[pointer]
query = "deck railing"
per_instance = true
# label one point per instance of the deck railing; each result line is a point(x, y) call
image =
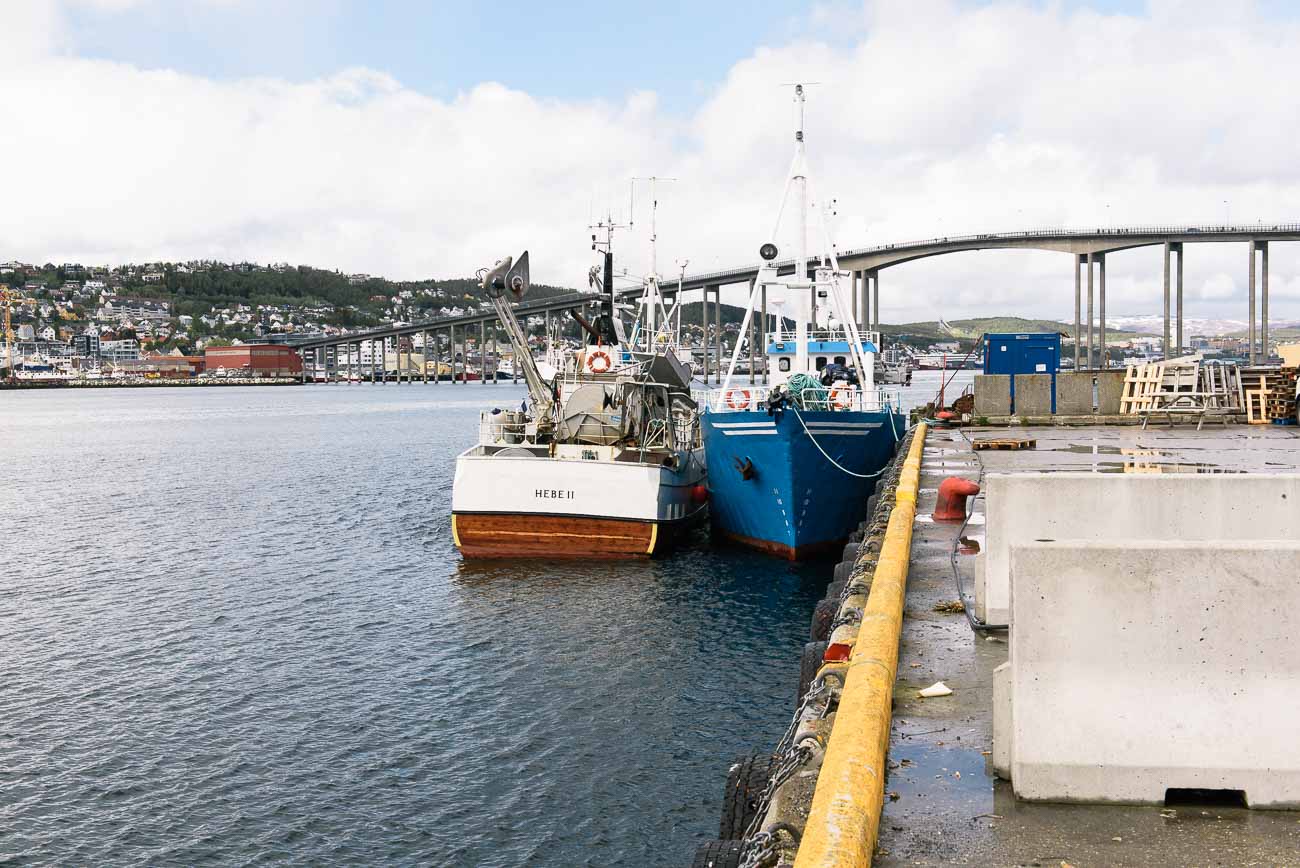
point(843, 399)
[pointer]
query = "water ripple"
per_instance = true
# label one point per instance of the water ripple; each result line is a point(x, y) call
point(233, 629)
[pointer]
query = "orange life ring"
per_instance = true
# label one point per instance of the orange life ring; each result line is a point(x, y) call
point(842, 397)
point(599, 356)
point(738, 399)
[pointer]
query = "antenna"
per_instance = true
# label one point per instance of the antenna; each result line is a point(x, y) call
point(654, 208)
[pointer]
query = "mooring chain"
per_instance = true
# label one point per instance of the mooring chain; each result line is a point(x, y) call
point(783, 750)
point(760, 848)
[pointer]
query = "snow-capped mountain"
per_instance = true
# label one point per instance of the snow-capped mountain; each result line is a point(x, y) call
point(1153, 324)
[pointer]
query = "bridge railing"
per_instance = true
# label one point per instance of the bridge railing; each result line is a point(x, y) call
point(1027, 234)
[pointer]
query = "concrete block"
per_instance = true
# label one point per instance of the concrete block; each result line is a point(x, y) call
point(1033, 395)
point(1142, 665)
point(992, 394)
point(1073, 394)
point(1002, 721)
point(1024, 507)
point(1110, 387)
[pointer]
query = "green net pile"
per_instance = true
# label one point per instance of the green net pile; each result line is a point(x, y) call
point(807, 393)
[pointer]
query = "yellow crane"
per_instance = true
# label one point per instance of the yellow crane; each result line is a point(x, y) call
point(7, 298)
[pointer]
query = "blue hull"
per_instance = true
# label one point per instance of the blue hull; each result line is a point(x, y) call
point(770, 486)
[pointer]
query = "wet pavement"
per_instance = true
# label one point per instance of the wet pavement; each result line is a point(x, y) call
point(944, 805)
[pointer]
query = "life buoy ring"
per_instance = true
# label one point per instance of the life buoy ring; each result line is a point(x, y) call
point(599, 362)
point(738, 399)
point(842, 397)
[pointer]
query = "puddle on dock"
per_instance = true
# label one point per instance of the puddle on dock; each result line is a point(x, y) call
point(1161, 467)
point(940, 778)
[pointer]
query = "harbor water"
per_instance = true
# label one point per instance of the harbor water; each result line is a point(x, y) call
point(234, 629)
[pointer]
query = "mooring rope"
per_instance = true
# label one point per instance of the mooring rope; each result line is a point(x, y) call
point(825, 455)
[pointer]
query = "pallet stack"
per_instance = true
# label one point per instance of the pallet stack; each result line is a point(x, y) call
point(1157, 385)
point(1270, 395)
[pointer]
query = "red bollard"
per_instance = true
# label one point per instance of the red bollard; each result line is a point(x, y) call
point(953, 492)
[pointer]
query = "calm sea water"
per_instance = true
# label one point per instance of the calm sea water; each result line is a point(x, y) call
point(234, 629)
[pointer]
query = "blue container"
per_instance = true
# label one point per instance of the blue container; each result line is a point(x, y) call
point(1023, 353)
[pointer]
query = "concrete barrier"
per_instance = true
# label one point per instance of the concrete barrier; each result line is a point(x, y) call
point(1024, 507)
point(1074, 394)
point(992, 394)
point(1137, 666)
point(1033, 395)
point(1110, 388)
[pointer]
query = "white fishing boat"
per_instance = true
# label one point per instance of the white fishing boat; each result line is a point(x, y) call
point(604, 459)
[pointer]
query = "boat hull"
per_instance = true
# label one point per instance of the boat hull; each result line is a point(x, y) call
point(516, 506)
point(528, 535)
point(771, 488)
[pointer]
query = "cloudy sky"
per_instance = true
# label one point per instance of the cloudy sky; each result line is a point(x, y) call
point(424, 139)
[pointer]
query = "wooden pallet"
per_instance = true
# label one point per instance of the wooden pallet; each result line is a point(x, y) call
point(1004, 443)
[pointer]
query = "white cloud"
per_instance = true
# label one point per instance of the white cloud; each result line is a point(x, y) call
point(931, 119)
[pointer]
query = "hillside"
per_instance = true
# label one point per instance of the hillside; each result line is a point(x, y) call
point(973, 329)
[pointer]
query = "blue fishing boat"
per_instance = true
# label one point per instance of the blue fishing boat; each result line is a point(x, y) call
point(791, 465)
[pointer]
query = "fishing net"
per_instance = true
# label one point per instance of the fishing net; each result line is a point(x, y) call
point(807, 393)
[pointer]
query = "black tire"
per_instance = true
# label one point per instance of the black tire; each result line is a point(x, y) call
point(834, 589)
point(822, 618)
point(718, 854)
point(809, 663)
point(746, 782)
point(850, 553)
point(842, 571)
point(871, 506)
point(856, 536)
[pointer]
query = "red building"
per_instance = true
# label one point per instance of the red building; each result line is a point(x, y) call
point(254, 360)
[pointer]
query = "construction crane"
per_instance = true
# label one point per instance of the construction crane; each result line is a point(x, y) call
point(7, 298)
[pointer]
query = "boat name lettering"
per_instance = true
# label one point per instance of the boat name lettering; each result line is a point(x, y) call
point(553, 494)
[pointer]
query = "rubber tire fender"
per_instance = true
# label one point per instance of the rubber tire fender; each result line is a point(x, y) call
point(718, 854)
point(809, 662)
point(822, 618)
point(835, 589)
point(842, 571)
point(850, 552)
point(746, 781)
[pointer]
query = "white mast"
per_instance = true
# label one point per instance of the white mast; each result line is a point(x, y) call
point(799, 170)
point(655, 313)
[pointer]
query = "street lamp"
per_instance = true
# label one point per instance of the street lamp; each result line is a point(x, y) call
point(681, 278)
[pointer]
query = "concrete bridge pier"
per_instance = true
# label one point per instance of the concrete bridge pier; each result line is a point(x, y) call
point(717, 336)
point(874, 277)
point(1257, 331)
point(1250, 304)
point(1091, 362)
point(1102, 353)
point(1078, 312)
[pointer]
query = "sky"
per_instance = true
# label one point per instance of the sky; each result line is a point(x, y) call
point(426, 139)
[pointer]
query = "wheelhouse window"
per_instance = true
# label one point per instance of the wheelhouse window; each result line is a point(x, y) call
point(839, 360)
point(821, 362)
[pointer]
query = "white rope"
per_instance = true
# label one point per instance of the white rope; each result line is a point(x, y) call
point(830, 459)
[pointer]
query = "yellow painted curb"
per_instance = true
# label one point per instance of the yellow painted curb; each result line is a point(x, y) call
point(844, 822)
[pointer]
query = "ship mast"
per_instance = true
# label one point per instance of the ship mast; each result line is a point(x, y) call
point(799, 175)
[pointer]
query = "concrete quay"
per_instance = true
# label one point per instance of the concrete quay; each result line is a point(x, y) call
point(944, 804)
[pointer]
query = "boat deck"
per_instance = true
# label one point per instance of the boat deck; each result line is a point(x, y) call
point(945, 805)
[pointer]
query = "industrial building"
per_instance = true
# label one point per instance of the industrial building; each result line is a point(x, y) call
point(254, 360)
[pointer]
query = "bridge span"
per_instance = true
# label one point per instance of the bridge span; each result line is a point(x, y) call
point(1087, 247)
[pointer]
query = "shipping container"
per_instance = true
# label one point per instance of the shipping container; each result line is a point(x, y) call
point(1023, 353)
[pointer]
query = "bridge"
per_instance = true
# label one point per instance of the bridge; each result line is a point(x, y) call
point(1087, 247)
